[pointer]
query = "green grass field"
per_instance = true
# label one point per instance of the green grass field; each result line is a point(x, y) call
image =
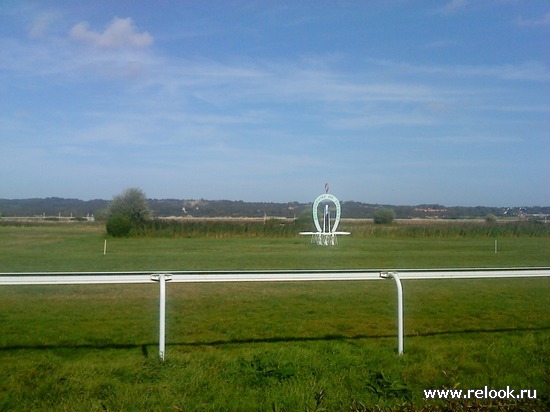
point(79, 247)
point(269, 347)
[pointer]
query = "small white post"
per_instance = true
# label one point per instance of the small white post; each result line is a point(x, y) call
point(496, 246)
point(162, 278)
point(105, 247)
point(400, 335)
point(162, 318)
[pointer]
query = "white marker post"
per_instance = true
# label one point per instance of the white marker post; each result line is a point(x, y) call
point(105, 247)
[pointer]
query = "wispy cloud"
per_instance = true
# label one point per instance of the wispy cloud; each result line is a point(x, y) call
point(389, 118)
point(543, 21)
point(529, 71)
point(454, 6)
point(472, 139)
point(40, 26)
point(440, 44)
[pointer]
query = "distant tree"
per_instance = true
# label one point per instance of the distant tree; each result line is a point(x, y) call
point(126, 211)
point(490, 219)
point(384, 216)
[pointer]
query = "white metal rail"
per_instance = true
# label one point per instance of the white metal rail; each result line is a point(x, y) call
point(68, 278)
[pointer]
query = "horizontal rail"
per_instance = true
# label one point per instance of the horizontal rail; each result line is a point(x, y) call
point(67, 278)
point(473, 273)
point(73, 278)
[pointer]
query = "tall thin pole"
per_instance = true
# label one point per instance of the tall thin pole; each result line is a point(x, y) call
point(162, 318)
point(400, 335)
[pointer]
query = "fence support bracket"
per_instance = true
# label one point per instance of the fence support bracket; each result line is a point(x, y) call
point(395, 277)
point(162, 278)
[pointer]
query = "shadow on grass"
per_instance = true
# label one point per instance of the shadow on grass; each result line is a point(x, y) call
point(220, 342)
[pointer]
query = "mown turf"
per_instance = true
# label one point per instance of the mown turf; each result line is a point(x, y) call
point(79, 247)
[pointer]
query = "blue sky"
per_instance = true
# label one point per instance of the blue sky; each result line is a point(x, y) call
point(392, 102)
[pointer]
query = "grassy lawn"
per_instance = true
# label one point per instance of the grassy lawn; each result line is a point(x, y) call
point(274, 347)
point(80, 248)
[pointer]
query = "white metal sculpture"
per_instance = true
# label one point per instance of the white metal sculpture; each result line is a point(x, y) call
point(326, 235)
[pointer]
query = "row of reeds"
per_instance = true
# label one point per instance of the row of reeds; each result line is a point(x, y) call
point(219, 228)
point(451, 229)
point(358, 228)
point(289, 228)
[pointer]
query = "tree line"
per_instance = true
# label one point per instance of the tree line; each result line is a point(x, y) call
point(53, 206)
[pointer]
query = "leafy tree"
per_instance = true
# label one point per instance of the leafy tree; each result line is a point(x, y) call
point(126, 211)
point(384, 216)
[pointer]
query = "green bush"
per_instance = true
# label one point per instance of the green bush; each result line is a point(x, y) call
point(118, 225)
point(384, 216)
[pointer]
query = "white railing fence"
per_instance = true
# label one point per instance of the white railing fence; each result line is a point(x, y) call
point(66, 278)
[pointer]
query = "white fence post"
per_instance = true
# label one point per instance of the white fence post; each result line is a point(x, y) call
point(400, 337)
point(162, 278)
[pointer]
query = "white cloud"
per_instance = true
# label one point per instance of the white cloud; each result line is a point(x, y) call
point(119, 33)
